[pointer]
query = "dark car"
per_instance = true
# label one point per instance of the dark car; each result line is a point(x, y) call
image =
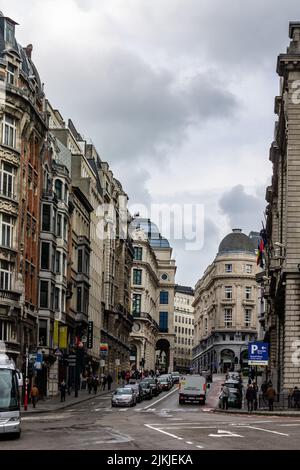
point(175, 377)
point(136, 390)
point(165, 382)
point(146, 390)
point(154, 384)
point(123, 397)
point(235, 399)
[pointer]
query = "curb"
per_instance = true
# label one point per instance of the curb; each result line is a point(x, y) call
point(259, 413)
point(66, 405)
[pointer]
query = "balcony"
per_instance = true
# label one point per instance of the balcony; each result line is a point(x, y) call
point(49, 195)
point(8, 195)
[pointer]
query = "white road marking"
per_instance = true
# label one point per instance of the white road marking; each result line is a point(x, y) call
point(164, 432)
point(265, 430)
point(124, 409)
point(222, 433)
point(291, 424)
point(199, 447)
point(162, 398)
point(48, 417)
point(189, 442)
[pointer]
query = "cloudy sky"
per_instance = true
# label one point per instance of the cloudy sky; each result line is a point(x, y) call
point(177, 95)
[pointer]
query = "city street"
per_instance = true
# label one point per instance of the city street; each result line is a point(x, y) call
point(159, 424)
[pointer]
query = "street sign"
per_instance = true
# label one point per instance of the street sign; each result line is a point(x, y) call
point(90, 335)
point(258, 354)
point(117, 362)
point(84, 339)
point(72, 360)
point(102, 363)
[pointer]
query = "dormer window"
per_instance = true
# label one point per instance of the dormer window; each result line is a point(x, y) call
point(10, 76)
point(9, 32)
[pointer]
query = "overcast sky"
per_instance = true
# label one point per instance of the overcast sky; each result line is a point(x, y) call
point(177, 95)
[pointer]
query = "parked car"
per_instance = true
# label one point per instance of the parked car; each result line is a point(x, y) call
point(165, 382)
point(146, 390)
point(234, 385)
point(192, 389)
point(154, 384)
point(175, 377)
point(235, 399)
point(123, 397)
point(136, 390)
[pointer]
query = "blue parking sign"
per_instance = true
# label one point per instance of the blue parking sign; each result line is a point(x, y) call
point(258, 353)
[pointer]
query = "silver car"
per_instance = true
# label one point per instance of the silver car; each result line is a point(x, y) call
point(123, 397)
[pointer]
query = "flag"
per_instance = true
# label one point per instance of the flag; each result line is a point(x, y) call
point(260, 252)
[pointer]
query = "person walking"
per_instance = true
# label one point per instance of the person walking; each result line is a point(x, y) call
point(104, 380)
point(224, 397)
point(95, 384)
point(250, 397)
point(34, 393)
point(255, 392)
point(89, 384)
point(109, 380)
point(63, 388)
point(127, 377)
point(296, 397)
point(270, 395)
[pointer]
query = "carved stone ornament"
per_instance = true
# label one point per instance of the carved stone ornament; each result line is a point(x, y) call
point(8, 207)
point(139, 234)
point(9, 157)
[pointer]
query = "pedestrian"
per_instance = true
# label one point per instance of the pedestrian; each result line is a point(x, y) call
point(34, 393)
point(104, 380)
point(127, 376)
point(270, 395)
point(296, 397)
point(224, 397)
point(109, 381)
point(63, 388)
point(89, 384)
point(95, 384)
point(255, 392)
point(250, 397)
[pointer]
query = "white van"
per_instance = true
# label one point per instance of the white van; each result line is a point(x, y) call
point(192, 388)
point(10, 380)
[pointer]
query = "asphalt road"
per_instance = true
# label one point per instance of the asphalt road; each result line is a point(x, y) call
point(157, 424)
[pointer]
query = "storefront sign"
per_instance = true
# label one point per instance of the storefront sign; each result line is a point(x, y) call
point(90, 335)
point(63, 337)
point(55, 334)
point(104, 349)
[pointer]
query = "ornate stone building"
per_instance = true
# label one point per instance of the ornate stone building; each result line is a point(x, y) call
point(281, 282)
point(152, 283)
point(183, 327)
point(225, 305)
point(23, 130)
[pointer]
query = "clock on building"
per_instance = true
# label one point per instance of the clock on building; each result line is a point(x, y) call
point(136, 327)
point(165, 277)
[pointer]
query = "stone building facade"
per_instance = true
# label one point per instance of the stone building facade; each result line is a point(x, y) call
point(281, 283)
point(226, 299)
point(152, 286)
point(183, 327)
point(23, 131)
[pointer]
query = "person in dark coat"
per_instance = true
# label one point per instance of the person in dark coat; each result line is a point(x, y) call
point(250, 395)
point(63, 388)
point(296, 397)
point(270, 395)
point(89, 384)
point(109, 381)
point(95, 384)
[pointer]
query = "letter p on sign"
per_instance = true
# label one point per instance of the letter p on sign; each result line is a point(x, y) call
point(254, 348)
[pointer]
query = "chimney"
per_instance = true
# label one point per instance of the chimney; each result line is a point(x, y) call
point(28, 50)
point(237, 230)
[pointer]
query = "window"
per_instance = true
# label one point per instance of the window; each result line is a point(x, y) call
point(136, 304)
point(64, 267)
point(5, 275)
point(65, 228)
point(10, 74)
point(63, 300)
point(6, 230)
point(58, 189)
point(45, 255)
point(247, 317)
point(248, 268)
point(175, 329)
point(46, 217)
point(80, 258)
point(9, 32)
point(224, 337)
point(44, 294)
point(5, 330)
point(163, 322)
point(228, 317)
point(137, 276)
point(186, 331)
point(164, 297)
point(56, 299)
point(59, 226)
point(138, 253)
point(231, 338)
point(57, 262)
point(228, 292)
point(228, 268)
point(243, 337)
point(179, 329)
point(79, 299)
point(7, 177)
point(66, 194)
point(175, 317)
point(248, 293)
point(9, 131)
point(190, 321)
point(43, 332)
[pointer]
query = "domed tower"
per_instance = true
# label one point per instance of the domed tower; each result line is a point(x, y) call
point(226, 300)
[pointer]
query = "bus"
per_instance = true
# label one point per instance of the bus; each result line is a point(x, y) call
point(10, 382)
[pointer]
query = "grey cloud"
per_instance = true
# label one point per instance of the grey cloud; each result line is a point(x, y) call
point(244, 210)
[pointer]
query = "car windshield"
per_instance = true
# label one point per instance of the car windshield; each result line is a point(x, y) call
point(8, 390)
point(145, 384)
point(123, 391)
point(232, 384)
point(175, 373)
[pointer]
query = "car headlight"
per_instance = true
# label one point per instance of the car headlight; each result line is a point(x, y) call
point(13, 419)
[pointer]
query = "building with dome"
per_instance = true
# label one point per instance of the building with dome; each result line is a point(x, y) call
point(152, 289)
point(226, 302)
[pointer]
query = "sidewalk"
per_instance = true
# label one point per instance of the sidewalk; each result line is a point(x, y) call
point(49, 405)
point(288, 413)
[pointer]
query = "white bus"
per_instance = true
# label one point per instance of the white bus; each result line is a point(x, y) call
point(10, 381)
